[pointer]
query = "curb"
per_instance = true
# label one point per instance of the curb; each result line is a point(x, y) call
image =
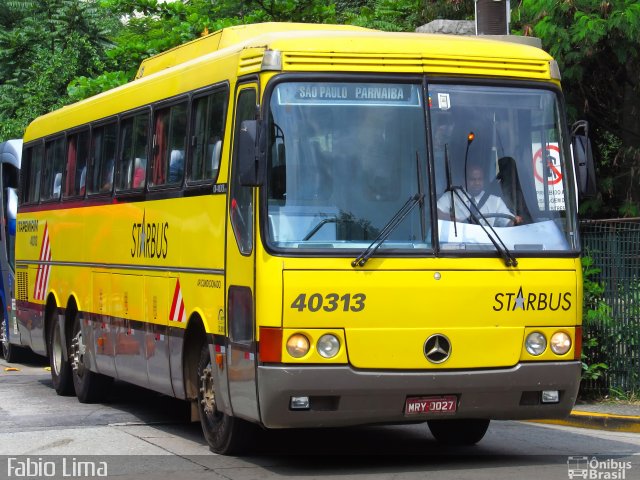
point(598, 421)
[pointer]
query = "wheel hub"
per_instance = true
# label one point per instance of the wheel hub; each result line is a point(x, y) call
point(207, 397)
point(77, 353)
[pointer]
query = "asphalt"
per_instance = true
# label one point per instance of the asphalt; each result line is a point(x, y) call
point(615, 416)
point(610, 415)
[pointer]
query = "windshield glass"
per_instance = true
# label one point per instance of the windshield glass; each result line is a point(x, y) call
point(506, 154)
point(343, 159)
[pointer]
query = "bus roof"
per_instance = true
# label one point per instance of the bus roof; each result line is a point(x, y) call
point(224, 38)
point(238, 51)
point(11, 152)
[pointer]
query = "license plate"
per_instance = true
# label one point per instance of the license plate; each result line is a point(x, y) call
point(417, 405)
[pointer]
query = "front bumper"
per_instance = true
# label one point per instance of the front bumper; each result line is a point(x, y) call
point(342, 396)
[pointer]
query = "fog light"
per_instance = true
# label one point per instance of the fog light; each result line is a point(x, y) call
point(328, 346)
point(550, 396)
point(297, 345)
point(560, 343)
point(299, 403)
point(536, 343)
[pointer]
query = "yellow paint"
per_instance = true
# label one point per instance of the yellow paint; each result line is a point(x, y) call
point(101, 261)
point(311, 48)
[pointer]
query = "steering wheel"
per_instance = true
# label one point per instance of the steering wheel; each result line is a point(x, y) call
point(508, 216)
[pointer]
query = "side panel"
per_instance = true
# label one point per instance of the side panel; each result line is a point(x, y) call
point(104, 339)
point(126, 303)
point(157, 338)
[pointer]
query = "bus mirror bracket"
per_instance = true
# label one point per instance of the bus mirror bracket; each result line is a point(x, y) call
point(583, 158)
point(250, 154)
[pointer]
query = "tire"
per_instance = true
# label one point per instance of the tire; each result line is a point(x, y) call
point(11, 353)
point(466, 431)
point(225, 434)
point(60, 369)
point(90, 387)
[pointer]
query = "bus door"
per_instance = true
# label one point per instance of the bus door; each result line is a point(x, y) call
point(240, 276)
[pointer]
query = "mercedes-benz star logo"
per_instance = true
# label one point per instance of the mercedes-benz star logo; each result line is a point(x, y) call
point(437, 348)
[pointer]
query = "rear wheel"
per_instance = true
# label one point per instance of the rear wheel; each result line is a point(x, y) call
point(465, 431)
point(60, 369)
point(90, 386)
point(225, 434)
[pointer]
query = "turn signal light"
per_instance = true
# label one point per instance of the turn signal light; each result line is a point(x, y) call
point(270, 346)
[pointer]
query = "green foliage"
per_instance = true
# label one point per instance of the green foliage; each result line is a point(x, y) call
point(595, 370)
point(596, 45)
point(43, 46)
point(407, 15)
point(83, 87)
point(596, 315)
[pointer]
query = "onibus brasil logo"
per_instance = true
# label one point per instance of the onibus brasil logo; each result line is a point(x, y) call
point(596, 468)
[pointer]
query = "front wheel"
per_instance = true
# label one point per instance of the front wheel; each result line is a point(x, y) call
point(90, 386)
point(465, 431)
point(225, 434)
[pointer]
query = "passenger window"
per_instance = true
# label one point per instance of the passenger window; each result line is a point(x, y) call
point(169, 144)
point(103, 145)
point(76, 170)
point(208, 128)
point(53, 166)
point(32, 168)
point(134, 133)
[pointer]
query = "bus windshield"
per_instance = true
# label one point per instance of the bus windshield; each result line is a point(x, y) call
point(343, 158)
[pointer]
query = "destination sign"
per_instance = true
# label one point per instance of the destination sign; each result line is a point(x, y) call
point(324, 93)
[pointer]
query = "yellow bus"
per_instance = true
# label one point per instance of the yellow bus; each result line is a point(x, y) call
point(293, 225)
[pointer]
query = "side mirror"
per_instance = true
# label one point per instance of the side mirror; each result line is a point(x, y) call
point(250, 154)
point(583, 160)
point(12, 209)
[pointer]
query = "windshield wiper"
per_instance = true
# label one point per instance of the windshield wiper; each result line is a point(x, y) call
point(479, 218)
point(390, 226)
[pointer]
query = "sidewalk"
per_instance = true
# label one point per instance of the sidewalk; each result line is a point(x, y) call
point(614, 416)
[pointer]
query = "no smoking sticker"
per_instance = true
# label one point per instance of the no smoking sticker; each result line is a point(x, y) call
point(552, 159)
point(547, 172)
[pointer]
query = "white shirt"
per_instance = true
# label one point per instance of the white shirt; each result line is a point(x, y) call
point(492, 204)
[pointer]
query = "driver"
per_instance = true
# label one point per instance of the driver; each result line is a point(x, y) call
point(487, 203)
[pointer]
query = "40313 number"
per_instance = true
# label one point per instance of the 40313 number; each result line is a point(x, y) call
point(330, 302)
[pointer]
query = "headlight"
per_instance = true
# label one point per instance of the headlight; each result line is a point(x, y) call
point(328, 345)
point(536, 343)
point(297, 345)
point(560, 343)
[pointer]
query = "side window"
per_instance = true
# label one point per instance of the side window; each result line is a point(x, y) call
point(54, 161)
point(103, 151)
point(169, 145)
point(30, 174)
point(134, 133)
point(208, 117)
point(241, 203)
point(76, 169)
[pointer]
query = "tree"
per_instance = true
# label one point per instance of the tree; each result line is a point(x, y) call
point(596, 45)
point(43, 45)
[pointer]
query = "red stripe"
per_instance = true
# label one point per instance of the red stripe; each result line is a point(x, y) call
point(35, 288)
point(181, 311)
point(44, 241)
point(43, 270)
point(175, 300)
point(73, 203)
